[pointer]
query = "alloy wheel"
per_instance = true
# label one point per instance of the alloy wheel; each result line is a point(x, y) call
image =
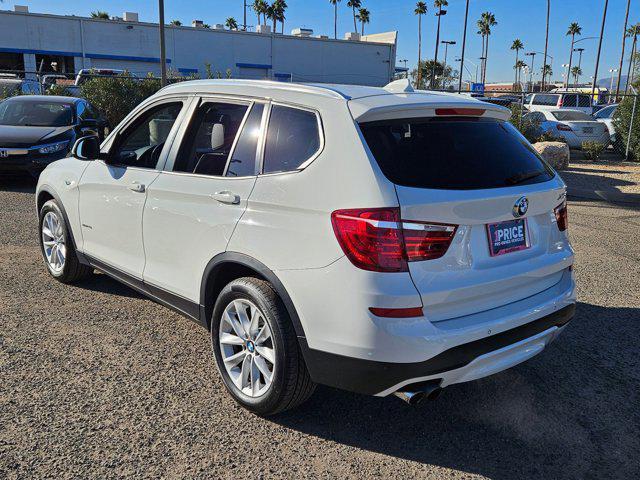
point(53, 242)
point(246, 346)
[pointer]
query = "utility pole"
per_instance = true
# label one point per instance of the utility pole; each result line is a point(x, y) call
point(464, 43)
point(624, 40)
point(546, 46)
point(595, 74)
point(244, 26)
point(163, 53)
point(533, 57)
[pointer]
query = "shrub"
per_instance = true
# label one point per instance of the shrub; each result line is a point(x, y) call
point(116, 96)
point(592, 150)
point(622, 125)
point(529, 128)
point(61, 90)
point(550, 137)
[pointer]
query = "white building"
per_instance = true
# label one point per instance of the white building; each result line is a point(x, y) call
point(39, 42)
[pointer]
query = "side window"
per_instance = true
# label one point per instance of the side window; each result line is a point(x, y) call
point(142, 142)
point(569, 100)
point(293, 138)
point(243, 159)
point(583, 101)
point(209, 138)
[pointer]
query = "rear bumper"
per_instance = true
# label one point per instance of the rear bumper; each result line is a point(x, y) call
point(461, 363)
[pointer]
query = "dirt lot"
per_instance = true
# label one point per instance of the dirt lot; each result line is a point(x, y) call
point(97, 382)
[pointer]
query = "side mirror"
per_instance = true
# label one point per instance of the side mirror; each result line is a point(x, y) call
point(86, 148)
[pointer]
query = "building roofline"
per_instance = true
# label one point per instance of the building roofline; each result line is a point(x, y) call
point(186, 27)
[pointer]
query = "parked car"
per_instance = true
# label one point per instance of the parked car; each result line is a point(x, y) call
point(605, 115)
point(378, 240)
point(573, 126)
point(86, 74)
point(36, 130)
point(12, 84)
point(544, 102)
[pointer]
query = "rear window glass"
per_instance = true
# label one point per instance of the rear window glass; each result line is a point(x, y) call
point(545, 99)
point(567, 116)
point(455, 154)
point(584, 101)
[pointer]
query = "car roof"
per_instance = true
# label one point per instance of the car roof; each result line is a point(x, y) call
point(360, 98)
point(45, 98)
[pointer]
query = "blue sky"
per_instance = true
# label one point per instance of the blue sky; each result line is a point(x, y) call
point(516, 19)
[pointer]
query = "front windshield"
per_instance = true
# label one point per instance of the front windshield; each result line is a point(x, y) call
point(30, 113)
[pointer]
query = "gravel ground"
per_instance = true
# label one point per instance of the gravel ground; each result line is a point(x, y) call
point(99, 382)
point(623, 177)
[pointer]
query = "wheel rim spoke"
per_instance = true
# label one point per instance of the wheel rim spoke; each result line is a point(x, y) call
point(246, 347)
point(53, 244)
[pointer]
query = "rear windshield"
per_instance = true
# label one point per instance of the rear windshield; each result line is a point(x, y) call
point(567, 116)
point(454, 153)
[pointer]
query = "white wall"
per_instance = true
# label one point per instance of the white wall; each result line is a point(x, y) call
point(135, 46)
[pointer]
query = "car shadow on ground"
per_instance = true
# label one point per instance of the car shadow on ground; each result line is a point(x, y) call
point(99, 282)
point(550, 417)
point(18, 183)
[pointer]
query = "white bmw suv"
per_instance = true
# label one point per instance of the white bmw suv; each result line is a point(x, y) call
point(378, 240)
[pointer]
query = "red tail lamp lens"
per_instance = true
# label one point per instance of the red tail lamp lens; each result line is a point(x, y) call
point(561, 216)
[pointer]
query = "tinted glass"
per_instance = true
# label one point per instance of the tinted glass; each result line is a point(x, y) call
point(606, 112)
point(584, 101)
point(457, 154)
point(568, 115)
point(545, 99)
point(142, 143)
point(292, 139)
point(210, 137)
point(569, 100)
point(243, 160)
point(30, 113)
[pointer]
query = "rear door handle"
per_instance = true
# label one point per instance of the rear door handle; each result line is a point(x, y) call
point(137, 187)
point(226, 197)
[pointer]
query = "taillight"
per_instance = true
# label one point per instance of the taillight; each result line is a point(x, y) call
point(563, 127)
point(562, 219)
point(465, 112)
point(377, 240)
point(560, 101)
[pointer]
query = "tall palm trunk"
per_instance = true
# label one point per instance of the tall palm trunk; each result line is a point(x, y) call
point(624, 40)
point(355, 26)
point(486, 60)
point(435, 60)
point(482, 60)
point(573, 36)
point(631, 62)
point(335, 20)
point(517, 69)
point(419, 50)
point(546, 46)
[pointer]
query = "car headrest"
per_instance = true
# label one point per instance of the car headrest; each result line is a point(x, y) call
point(217, 136)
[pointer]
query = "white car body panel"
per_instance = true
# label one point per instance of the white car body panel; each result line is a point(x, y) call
point(167, 234)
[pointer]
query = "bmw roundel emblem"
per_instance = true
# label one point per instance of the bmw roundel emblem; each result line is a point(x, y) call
point(521, 206)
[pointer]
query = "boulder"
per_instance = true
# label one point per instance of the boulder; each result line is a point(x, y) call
point(555, 154)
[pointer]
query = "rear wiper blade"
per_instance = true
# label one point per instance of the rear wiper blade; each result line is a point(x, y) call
point(522, 177)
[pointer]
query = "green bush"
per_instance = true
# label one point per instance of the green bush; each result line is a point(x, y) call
point(592, 150)
point(622, 125)
point(529, 128)
point(60, 90)
point(116, 96)
point(550, 137)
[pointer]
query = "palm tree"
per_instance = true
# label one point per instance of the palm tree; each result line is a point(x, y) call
point(437, 4)
point(260, 7)
point(576, 72)
point(546, 72)
point(354, 5)
point(363, 17)
point(335, 17)
point(488, 20)
point(632, 31)
point(546, 40)
point(421, 9)
point(100, 14)
point(176, 23)
point(280, 7)
point(231, 23)
point(517, 45)
point(574, 29)
point(519, 65)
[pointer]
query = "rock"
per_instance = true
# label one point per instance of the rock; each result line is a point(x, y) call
point(555, 154)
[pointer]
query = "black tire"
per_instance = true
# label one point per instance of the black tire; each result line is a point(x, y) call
point(291, 384)
point(72, 270)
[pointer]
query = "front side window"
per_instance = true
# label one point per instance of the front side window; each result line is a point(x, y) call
point(454, 153)
point(293, 138)
point(210, 138)
point(35, 113)
point(142, 142)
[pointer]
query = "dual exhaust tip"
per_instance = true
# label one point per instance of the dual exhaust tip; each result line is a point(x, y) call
point(417, 392)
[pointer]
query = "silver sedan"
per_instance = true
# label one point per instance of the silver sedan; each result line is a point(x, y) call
point(573, 126)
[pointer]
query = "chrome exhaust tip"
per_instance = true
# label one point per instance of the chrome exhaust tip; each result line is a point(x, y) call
point(417, 392)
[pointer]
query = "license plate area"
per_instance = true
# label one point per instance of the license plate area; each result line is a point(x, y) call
point(509, 236)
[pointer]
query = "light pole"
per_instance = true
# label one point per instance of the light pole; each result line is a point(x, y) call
point(163, 53)
point(533, 57)
point(612, 71)
point(444, 66)
point(464, 43)
point(566, 65)
point(467, 69)
point(405, 67)
point(439, 14)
